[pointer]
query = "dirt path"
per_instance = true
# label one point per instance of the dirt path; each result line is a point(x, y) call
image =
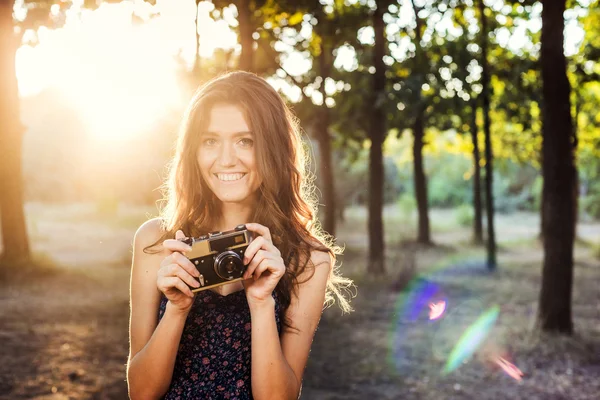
point(64, 334)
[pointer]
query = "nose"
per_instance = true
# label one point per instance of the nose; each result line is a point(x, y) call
point(227, 156)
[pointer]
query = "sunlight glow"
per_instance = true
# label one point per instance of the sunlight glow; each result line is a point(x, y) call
point(118, 65)
point(120, 76)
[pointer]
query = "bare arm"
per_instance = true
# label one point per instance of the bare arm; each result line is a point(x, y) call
point(153, 347)
point(278, 364)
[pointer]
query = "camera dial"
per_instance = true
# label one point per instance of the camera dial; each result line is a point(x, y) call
point(229, 265)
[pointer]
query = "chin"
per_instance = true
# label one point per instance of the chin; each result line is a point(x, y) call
point(234, 197)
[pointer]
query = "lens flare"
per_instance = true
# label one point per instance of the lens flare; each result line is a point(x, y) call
point(419, 295)
point(471, 339)
point(410, 311)
point(436, 309)
point(510, 368)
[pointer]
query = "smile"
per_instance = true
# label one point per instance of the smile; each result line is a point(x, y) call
point(230, 177)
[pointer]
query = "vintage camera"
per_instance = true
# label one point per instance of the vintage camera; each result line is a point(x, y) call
point(219, 256)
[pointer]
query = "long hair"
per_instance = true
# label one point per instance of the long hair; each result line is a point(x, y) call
point(286, 202)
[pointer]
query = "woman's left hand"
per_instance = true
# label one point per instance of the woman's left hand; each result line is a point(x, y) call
point(266, 266)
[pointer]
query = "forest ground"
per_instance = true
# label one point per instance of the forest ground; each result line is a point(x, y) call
point(63, 327)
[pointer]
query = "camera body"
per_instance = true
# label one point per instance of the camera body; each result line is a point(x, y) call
point(219, 256)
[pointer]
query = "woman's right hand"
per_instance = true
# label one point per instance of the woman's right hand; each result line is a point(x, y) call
point(176, 273)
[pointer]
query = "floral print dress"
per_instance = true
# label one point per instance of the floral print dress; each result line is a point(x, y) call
point(213, 361)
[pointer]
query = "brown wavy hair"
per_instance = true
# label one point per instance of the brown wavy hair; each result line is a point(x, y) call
point(286, 204)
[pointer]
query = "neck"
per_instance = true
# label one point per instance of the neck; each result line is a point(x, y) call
point(234, 214)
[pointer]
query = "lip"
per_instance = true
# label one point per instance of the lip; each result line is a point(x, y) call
point(215, 175)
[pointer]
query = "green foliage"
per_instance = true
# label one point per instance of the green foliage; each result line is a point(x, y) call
point(597, 251)
point(509, 194)
point(351, 172)
point(590, 206)
point(536, 192)
point(448, 182)
point(465, 215)
point(407, 206)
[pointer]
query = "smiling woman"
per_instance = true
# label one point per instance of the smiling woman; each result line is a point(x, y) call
point(239, 161)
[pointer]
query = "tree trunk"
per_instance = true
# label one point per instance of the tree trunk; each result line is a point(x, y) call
point(489, 157)
point(559, 171)
point(377, 135)
point(15, 243)
point(477, 222)
point(246, 62)
point(420, 181)
point(324, 139)
point(542, 221)
point(196, 70)
point(575, 171)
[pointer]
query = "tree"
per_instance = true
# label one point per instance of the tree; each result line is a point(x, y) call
point(14, 232)
point(331, 29)
point(477, 212)
point(420, 180)
point(416, 92)
point(246, 29)
point(559, 171)
point(485, 102)
point(377, 134)
point(324, 30)
point(256, 53)
point(197, 70)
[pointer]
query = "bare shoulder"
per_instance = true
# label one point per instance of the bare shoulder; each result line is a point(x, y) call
point(319, 258)
point(318, 268)
point(148, 233)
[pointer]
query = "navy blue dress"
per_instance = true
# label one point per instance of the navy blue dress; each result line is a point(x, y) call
point(214, 358)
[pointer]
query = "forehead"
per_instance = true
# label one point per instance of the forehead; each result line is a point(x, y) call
point(226, 118)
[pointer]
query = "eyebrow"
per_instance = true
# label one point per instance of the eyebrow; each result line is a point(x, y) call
point(234, 134)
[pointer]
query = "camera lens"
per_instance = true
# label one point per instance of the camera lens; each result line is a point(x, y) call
point(229, 265)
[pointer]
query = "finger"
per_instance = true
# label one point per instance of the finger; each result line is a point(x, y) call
point(253, 248)
point(185, 263)
point(183, 288)
point(176, 245)
point(267, 265)
point(260, 229)
point(258, 258)
point(173, 282)
point(262, 267)
point(178, 271)
point(179, 235)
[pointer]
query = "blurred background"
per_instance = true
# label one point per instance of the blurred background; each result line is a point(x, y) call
point(455, 146)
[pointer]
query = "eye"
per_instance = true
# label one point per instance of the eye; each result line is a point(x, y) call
point(209, 142)
point(246, 142)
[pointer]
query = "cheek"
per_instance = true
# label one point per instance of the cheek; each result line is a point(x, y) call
point(204, 161)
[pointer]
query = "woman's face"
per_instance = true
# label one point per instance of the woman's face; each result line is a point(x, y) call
point(226, 155)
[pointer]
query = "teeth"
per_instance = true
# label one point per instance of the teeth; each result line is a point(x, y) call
point(230, 177)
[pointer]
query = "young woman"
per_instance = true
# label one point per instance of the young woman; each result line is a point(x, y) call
point(239, 160)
